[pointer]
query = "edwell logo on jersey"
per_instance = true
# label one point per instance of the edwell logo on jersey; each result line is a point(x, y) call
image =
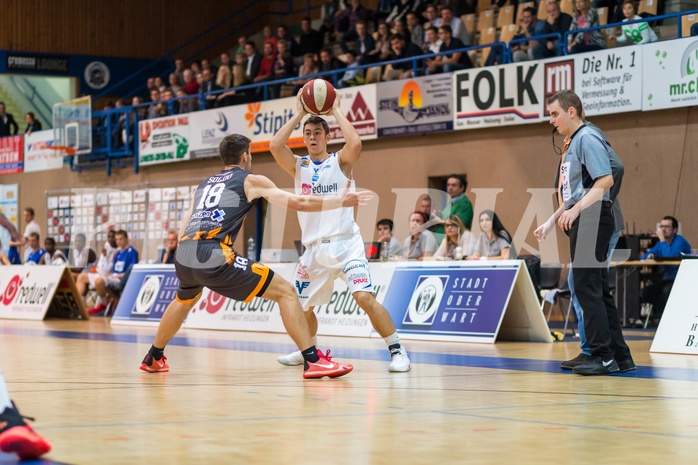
point(425, 301)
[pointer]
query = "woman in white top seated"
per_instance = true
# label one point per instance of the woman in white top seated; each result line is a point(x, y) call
point(421, 242)
point(494, 242)
point(457, 235)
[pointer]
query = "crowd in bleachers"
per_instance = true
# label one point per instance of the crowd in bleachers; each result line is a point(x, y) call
point(350, 37)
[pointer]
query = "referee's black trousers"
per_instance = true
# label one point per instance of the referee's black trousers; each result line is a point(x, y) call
point(589, 236)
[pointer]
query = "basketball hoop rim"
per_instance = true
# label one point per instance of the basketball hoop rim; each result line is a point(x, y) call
point(69, 151)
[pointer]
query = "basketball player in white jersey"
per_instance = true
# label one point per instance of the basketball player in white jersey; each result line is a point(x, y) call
point(333, 242)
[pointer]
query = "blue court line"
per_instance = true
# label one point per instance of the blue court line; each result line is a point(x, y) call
point(473, 361)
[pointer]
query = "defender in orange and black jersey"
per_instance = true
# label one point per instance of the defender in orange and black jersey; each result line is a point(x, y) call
point(205, 256)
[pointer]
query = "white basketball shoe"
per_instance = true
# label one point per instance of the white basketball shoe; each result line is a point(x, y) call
point(400, 362)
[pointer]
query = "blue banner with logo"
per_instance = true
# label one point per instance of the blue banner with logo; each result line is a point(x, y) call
point(451, 301)
point(149, 290)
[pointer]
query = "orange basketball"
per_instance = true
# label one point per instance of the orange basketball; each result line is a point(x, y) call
point(317, 97)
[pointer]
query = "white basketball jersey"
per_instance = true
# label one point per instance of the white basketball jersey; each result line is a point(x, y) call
point(324, 179)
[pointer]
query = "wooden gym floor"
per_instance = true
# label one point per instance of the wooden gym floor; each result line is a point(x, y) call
point(226, 400)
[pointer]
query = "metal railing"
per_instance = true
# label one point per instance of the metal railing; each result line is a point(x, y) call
point(27, 89)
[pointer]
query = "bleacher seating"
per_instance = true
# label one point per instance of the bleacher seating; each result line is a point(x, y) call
point(485, 20)
point(567, 6)
point(505, 16)
point(469, 21)
point(686, 22)
point(603, 15)
point(508, 32)
point(648, 6)
point(486, 37)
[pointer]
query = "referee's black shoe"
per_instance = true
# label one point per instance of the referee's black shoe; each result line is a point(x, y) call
point(597, 366)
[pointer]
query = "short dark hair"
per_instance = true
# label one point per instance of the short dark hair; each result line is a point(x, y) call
point(567, 99)
point(314, 119)
point(385, 222)
point(446, 7)
point(674, 221)
point(460, 178)
point(425, 217)
point(434, 29)
point(121, 232)
point(35, 234)
point(397, 36)
point(29, 210)
point(51, 241)
point(232, 147)
point(249, 42)
point(531, 10)
point(446, 28)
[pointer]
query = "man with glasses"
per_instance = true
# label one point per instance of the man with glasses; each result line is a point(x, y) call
point(670, 244)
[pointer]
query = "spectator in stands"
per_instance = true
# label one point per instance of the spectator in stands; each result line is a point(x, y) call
point(206, 64)
point(449, 63)
point(671, 244)
point(430, 14)
point(309, 66)
point(399, 10)
point(174, 82)
point(154, 110)
point(179, 71)
point(150, 84)
point(242, 40)
point(365, 45)
point(117, 129)
point(139, 112)
point(457, 235)
point(81, 255)
point(224, 77)
point(30, 226)
point(236, 97)
point(400, 27)
point(401, 50)
point(528, 24)
point(33, 124)
point(282, 35)
point(53, 256)
point(160, 84)
point(353, 76)
point(458, 203)
point(328, 62)
point(329, 11)
point(185, 103)
point(458, 29)
point(266, 67)
point(555, 22)
point(432, 43)
point(253, 63)
point(585, 41)
point(225, 60)
point(382, 40)
point(282, 69)
point(8, 125)
point(494, 242)
point(190, 84)
point(207, 86)
point(416, 30)
point(309, 41)
point(196, 67)
point(268, 37)
point(421, 242)
point(385, 234)
point(166, 98)
point(168, 253)
point(345, 21)
point(639, 33)
point(125, 257)
point(4, 259)
point(33, 252)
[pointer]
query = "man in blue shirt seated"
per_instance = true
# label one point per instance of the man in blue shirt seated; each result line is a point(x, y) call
point(670, 244)
point(125, 257)
point(34, 252)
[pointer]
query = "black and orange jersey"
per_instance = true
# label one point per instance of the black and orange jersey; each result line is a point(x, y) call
point(219, 208)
